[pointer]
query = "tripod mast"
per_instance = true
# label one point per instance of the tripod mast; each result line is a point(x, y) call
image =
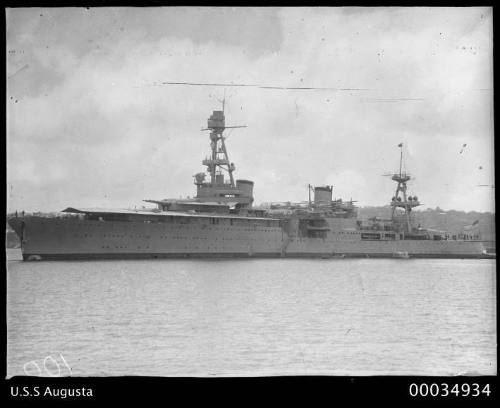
point(400, 199)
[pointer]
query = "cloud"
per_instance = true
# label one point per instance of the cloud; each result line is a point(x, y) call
point(93, 126)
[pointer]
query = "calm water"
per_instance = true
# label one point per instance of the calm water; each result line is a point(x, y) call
point(252, 317)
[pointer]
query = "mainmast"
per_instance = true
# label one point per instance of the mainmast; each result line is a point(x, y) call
point(400, 199)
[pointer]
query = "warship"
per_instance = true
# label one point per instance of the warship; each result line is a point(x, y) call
point(221, 221)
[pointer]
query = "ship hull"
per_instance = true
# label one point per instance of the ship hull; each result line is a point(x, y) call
point(76, 239)
point(125, 256)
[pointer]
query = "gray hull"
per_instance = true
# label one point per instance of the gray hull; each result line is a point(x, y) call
point(70, 238)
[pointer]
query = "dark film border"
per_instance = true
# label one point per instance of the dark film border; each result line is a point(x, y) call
point(303, 390)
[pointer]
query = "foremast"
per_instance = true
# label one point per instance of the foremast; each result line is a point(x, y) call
point(217, 189)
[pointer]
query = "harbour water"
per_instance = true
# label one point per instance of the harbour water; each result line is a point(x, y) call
point(251, 317)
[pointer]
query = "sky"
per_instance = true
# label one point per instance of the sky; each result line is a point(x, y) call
point(91, 124)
